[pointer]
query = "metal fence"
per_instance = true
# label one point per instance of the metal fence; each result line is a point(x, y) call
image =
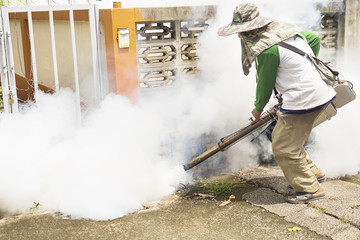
point(8, 81)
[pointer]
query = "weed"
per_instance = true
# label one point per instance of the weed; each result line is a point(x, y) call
point(321, 209)
point(345, 220)
point(222, 188)
point(35, 206)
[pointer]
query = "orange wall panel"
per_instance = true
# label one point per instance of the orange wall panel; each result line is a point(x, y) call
point(122, 63)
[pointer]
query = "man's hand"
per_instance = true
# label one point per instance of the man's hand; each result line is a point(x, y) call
point(256, 114)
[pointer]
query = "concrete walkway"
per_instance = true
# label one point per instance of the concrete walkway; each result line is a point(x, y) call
point(257, 212)
point(337, 216)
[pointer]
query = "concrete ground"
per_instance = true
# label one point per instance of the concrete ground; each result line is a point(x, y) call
point(257, 211)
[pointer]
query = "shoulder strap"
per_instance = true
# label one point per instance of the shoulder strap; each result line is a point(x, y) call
point(327, 72)
point(292, 48)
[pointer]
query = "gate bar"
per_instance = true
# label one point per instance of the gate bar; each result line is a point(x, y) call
point(99, 53)
point(45, 8)
point(11, 73)
point(10, 87)
point(94, 52)
point(4, 82)
point(76, 75)
point(32, 55)
point(53, 47)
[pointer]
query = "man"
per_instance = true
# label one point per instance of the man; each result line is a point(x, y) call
point(303, 91)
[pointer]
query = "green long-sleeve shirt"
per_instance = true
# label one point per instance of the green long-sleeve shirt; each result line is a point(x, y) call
point(267, 64)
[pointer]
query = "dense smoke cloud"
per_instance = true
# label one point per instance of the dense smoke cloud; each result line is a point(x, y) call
point(107, 168)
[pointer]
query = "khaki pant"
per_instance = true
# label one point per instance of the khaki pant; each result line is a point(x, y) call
point(288, 139)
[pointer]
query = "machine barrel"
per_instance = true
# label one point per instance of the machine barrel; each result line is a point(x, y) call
point(202, 157)
point(231, 139)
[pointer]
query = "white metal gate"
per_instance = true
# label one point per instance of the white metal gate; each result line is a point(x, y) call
point(7, 58)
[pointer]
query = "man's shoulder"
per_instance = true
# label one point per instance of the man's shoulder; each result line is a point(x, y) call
point(269, 56)
point(310, 35)
point(273, 50)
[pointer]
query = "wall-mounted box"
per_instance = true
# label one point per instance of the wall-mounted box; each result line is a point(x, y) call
point(123, 37)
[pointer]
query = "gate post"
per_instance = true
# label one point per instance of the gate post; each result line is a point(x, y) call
point(8, 81)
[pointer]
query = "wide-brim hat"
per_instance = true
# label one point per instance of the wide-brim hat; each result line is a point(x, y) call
point(246, 17)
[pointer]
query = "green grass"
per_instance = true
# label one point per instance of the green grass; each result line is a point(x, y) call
point(221, 188)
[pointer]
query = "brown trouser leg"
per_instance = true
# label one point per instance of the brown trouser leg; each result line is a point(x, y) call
point(288, 139)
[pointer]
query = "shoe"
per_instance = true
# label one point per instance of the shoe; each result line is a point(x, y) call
point(301, 197)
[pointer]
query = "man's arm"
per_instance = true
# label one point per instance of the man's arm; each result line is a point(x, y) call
point(267, 64)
